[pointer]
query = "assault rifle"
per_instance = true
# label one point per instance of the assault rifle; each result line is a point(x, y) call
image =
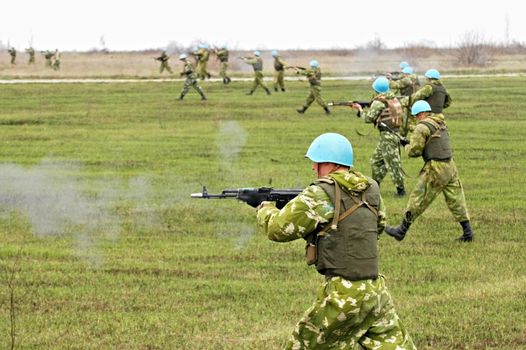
point(349, 103)
point(253, 196)
point(296, 68)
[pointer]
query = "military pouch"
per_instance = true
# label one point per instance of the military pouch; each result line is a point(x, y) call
point(310, 253)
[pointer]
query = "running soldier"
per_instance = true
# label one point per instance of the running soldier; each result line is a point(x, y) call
point(191, 78)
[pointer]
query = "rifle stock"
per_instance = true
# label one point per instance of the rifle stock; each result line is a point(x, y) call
point(253, 196)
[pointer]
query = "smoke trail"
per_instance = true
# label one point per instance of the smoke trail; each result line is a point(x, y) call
point(51, 199)
point(230, 140)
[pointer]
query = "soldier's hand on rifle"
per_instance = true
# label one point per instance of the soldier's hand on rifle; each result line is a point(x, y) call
point(357, 106)
point(404, 141)
point(264, 204)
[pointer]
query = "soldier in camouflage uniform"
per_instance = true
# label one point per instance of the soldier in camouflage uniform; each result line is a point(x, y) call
point(433, 92)
point(31, 52)
point(48, 56)
point(202, 64)
point(340, 216)
point(405, 86)
point(222, 55)
point(439, 174)
point(56, 60)
point(314, 76)
point(164, 62)
point(257, 64)
point(386, 114)
point(191, 78)
point(12, 52)
point(279, 71)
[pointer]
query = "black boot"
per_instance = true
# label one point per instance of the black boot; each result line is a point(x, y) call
point(276, 89)
point(467, 235)
point(398, 232)
point(400, 191)
point(301, 110)
point(268, 91)
point(283, 89)
point(327, 111)
point(250, 92)
point(203, 98)
point(181, 97)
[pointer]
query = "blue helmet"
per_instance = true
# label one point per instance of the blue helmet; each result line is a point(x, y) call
point(182, 56)
point(381, 85)
point(403, 64)
point(407, 70)
point(257, 53)
point(419, 107)
point(331, 148)
point(432, 74)
point(314, 64)
point(274, 53)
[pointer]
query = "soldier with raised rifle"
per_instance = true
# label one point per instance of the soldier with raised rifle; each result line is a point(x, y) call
point(340, 216)
point(439, 174)
point(279, 71)
point(406, 85)
point(31, 52)
point(222, 55)
point(386, 114)
point(191, 78)
point(12, 52)
point(257, 64)
point(202, 64)
point(163, 59)
point(433, 92)
point(48, 56)
point(313, 74)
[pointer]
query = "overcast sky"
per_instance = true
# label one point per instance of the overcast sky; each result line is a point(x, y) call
point(268, 24)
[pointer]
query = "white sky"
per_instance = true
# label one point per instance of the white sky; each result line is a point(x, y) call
point(265, 24)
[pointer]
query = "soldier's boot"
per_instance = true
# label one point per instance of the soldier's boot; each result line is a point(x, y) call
point(275, 88)
point(268, 91)
point(301, 110)
point(283, 89)
point(208, 75)
point(398, 232)
point(250, 92)
point(181, 97)
point(400, 191)
point(327, 111)
point(225, 81)
point(467, 235)
point(228, 80)
point(203, 97)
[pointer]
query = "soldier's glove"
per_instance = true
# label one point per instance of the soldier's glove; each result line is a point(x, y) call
point(404, 141)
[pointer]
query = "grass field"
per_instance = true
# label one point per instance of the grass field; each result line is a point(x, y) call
point(102, 247)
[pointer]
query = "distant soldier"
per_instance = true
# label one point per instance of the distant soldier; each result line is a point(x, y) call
point(279, 71)
point(406, 85)
point(386, 114)
point(257, 64)
point(438, 175)
point(204, 55)
point(191, 78)
point(164, 62)
point(31, 52)
point(433, 92)
point(314, 76)
point(48, 56)
point(222, 56)
point(56, 60)
point(12, 52)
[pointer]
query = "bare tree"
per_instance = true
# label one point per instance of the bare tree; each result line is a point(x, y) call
point(474, 50)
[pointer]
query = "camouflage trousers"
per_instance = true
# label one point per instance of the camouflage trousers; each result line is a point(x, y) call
point(191, 82)
point(258, 81)
point(56, 64)
point(438, 177)
point(352, 315)
point(165, 65)
point(202, 70)
point(279, 79)
point(386, 158)
point(222, 69)
point(315, 95)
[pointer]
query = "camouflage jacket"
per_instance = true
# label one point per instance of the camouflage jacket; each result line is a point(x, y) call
point(279, 63)
point(222, 54)
point(427, 90)
point(311, 209)
point(373, 112)
point(421, 134)
point(188, 69)
point(255, 62)
point(313, 75)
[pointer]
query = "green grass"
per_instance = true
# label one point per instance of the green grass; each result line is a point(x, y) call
point(109, 251)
